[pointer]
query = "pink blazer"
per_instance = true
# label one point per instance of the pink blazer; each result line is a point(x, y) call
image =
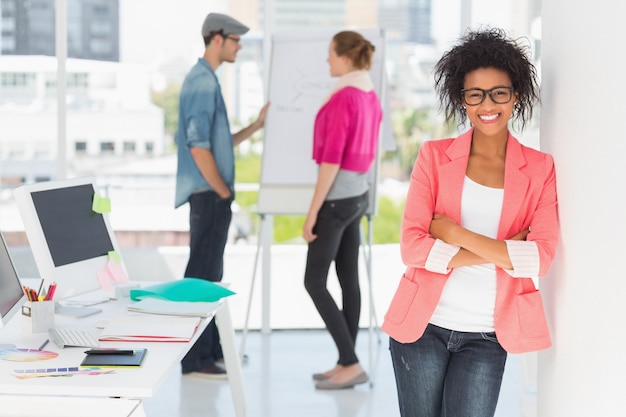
point(529, 201)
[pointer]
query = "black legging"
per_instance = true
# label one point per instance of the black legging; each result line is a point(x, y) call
point(338, 239)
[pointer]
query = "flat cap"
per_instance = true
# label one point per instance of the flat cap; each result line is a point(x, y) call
point(215, 22)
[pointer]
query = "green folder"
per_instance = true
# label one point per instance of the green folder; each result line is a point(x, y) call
point(186, 289)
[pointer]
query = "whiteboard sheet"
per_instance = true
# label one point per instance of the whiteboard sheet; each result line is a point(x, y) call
point(299, 83)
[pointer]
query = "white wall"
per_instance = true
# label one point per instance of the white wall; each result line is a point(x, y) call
point(582, 126)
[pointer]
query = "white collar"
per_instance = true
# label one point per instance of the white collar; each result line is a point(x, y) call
point(358, 79)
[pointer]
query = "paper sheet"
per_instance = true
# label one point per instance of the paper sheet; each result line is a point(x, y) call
point(150, 329)
point(175, 308)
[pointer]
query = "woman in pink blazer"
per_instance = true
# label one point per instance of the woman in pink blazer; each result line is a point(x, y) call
point(480, 222)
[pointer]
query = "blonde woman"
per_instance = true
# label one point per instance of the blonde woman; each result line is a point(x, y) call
point(344, 146)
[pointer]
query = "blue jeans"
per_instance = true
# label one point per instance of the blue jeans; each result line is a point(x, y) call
point(209, 220)
point(448, 374)
point(338, 239)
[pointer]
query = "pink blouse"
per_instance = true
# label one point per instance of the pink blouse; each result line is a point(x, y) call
point(346, 129)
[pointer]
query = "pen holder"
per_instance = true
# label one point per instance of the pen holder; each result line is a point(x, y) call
point(37, 316)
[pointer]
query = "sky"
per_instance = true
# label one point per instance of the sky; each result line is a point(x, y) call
point(154, 31)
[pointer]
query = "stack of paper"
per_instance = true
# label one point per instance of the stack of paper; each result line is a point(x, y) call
point(174, 308)
point(184, 297)
point(150, 329)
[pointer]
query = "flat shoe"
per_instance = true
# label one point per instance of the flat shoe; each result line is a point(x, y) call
point(210, 372)
point(320, 377)
point(359, 379)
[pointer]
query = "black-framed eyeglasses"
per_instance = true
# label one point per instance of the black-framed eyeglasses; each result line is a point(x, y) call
point(236, 40)
point(475, 96)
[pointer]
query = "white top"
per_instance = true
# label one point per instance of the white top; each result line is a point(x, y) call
point(468, 299)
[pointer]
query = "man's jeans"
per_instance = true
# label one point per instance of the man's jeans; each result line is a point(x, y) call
point(448, 374)
point(209, 220)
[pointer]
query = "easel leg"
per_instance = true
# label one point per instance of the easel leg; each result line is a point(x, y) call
point(244, 334)
point(268, 236)
point(263, 244)
point(373, 322)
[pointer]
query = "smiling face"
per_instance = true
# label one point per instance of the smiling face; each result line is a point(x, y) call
point(489, 118)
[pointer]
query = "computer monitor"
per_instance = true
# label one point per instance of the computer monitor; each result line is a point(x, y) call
point(70, 238)
point(11, 293)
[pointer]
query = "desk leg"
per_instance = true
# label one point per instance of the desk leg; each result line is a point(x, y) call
point(231, 357)
point(138, 412)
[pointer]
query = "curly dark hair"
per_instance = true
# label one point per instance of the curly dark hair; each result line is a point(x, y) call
point(482, 49)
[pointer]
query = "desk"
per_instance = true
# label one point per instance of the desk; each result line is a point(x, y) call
point(37, 406)
point(129, 384)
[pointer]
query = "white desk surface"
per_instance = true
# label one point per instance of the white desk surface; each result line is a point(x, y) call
point(142, 382)
point(38, 406)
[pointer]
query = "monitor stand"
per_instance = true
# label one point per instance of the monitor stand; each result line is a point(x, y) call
point(78, 312)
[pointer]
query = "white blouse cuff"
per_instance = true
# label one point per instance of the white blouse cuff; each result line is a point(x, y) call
point(524, 258)
point(440, 256)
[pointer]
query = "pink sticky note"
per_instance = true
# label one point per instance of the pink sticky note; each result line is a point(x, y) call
point(116, 271)
point(105, 279)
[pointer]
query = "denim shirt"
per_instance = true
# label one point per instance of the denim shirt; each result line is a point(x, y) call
point(203, 122)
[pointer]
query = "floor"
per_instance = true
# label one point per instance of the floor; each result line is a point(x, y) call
point(277, 373)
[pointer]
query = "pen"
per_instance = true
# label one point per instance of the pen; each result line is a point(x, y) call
point(110, 351)
point(43, 345)
point(40, 289)
point(51, 290)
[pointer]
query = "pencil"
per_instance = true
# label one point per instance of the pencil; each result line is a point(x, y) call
point(43, 345)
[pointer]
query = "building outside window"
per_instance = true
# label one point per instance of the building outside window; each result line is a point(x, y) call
point(129, 146)
point(107, 147)
point(80, 147)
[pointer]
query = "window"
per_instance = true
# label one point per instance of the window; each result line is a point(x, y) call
point(80, 147)
point(42, 150)
point(77, 80)
point(110, 114)
point(129, 147)
point(100, 28)
point(107, 147)
point(8, 43)
point(8, 25)
point(17, 79)
point(17, 153)
point(100, 46)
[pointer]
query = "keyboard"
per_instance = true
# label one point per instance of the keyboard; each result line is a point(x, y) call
point(64, 337)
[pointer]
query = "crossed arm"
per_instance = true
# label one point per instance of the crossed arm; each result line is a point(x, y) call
point(475, 248)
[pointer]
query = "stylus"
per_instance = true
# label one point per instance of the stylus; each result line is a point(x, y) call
point(110, 352)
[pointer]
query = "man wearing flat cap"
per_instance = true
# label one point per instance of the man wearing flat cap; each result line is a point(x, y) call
point(205, 176)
